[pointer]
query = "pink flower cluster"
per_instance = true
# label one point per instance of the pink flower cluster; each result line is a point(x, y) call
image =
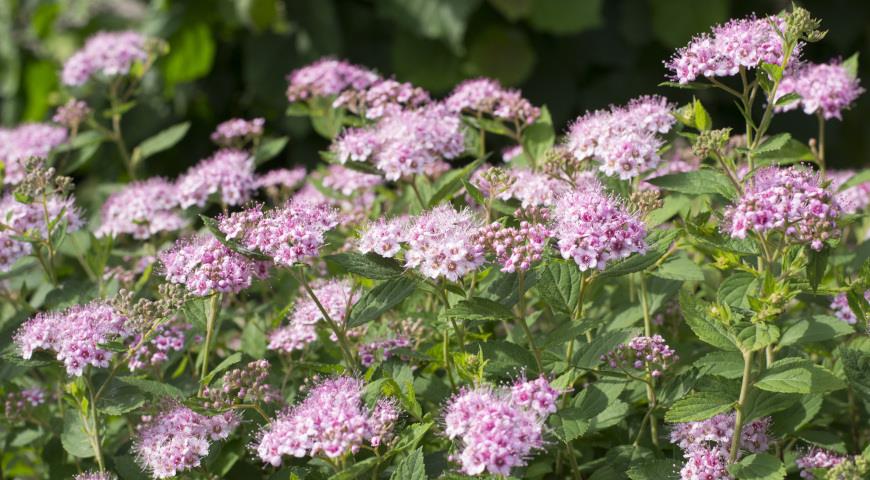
point(744, 42)
point(625, 140)
point(107, 53)
point(238, 131)
point(383, 236)
point(384, 97)
point(228, 173)
point(21, 219)
point(404, 143)
point(332, 421)
point(484, 96)
point(289, 235)
point(789, 200)
point(205, 266)
point(842, 310)
point(336, 297)
point(72, 113)
point(368, 352)
point(17, 403)
point(280, 178)
point(74, 335)
point(594, 228)
point(441, 243)
point(817, 458)
point(826, 88)
point(178, 438)
point(327, 77)
point(516, 248)
point(242, 385)
point(141, 209)
point(853, 199)
point(168, 337)
point(497, 429)
point(29, 140)
point(647, 354)
point(349, 182)
point(535, 188)
point(706, 444)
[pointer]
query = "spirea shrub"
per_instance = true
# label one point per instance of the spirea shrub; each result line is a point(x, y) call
point(459, 288)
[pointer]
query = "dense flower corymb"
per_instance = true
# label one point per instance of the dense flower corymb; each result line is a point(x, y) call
point(327, 77)
point(826, 88)
point(107, 53)
point(142, 209)
point(331, 422)
point(791, 201)
point(817, 458)
point(336, 297)
point(643, 353)
point(516, 248)
point(20, 219)
point(177, 439)
point(30, 140)
point(484, 96)
point(706, 444)
point(227, 173)
point(168, 338)
point(440, 243)
point(205, 266)
point(383, 236)
point(238, 130)
point(382, 98)
point(74, 335)
point(19, 402)
point(853, 199)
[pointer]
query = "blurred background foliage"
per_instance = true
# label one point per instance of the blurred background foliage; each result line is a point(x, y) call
point(229, 58)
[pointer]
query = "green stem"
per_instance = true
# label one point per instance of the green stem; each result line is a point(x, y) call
point(521, 317)
point(447, 362)
point(213, 311)
point(92, 426)
point(644, 303)
point(117, 136)
point(343, 342)
point(741, 405)
point(820, 155)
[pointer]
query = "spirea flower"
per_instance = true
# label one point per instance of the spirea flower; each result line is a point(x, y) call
point(105, 53)
point(168, 338)
point(706, 444)
point(745, 42)
point(19, 402)
point(205, 266)
point(517, 248)
point(336, 296)
point(512, 152)
point(842, 310)
point(72, 113)
point(497, 429)
point(440, 243)
point(177, 439)
point(706, 463)
point(238, 131)
point(229, 174)
point(817, 458)
point(826, 88)
point(141, 209)
point(290, 234)
point(348, 181)
point(327, 77)
point(280, 178)
point(853, 199)
point(535, 188)
point(593, 228)
point(404, 143)
point(382, 98)
point(647, 354)
point(242, 385)
point(383, 236)
point(536, 395)
point(331, 422)
point(30, 140)
point(29, 220)
point(624, 140)
point(789, 200)
point(96, 476)
point(369, 352)
point(484, 96)
point(74, 335)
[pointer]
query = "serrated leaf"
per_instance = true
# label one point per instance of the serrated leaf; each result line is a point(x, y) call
point(154, 388)
point(369, 265)
point(851, 64)
point(225, 364)
point(787, 99)
point(412, 467)
point(163, 140)
point(817, 263)
point(758, 336)
point(722, 364)
point(477, 308)
point(856, 365)
point(707, 330)
point(734, 289)
point(268, 149)
point(702, 119)
point(758, 466)
point(378, 300)
point(817, 328)
point(655, 470)
point(699, 406)
point(796, 375)
point(773, 143)
point(568, 424)
point(73, 438)
point(699, 182)
point(589, 355)
point(559, 284)
point(451, 182)
point(539, 137)
point(680, 267)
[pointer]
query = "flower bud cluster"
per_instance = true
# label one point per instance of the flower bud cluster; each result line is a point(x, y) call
point(242, 385)
point(646, 354)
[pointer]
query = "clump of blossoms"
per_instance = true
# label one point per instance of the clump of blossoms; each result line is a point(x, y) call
point(441, 243)
point(177, 439)
point(336, 296)
point(826, 89)
point(368, 352)
point(624, 140)
point(484, 96)
point(404, 143)
point(141, 209)
point(228, 174)
point(238, 132)
point(787, 200)
point(853, 199)
point(332, 422)
point(647, 354)
point(348, 181)
point(498, 429)
point(326, 78)
point(242, 385)
point(71, 114)
point(31, 220)
point(745, 42)
point(383, 97)
point(593, 228)
point(535, 188)
point(280, 178)
point(109, 54)
point(383, 236)
point(204, 266)
point(842, 310)
point(817, 458)
point(74, 335)
point(27, 141)
point(169, 337)
point(517, 248)
point(705, 444)
point(17, 403)
point(288, 235)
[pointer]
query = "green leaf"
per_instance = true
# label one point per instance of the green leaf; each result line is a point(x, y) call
point(699, 182)
point(825, 439)
point(734, 289)
point(568, 424)
point(817, 263)
point(164, 140)
point(655, 470)
point(703, 122)
point(154, 388)
point(504, 359)
point(773, 143)
point(212, 225)
point(369, 265)
point(857, 179)
point(659, 242)
point(254, 340)
point(851, 64)
point(559, 284)
point(477, 308)
point(699, 406)
point(225, 364)
point(588, 355)
point(74, 439)
point(451, 182)
point(722, 364)
point(787, 99)
point(191, 53)
point(757, 336)
point(444, 20)
point(707, 330)
point(758, 466)
point(538, 138)
point(687, 86)
point(269, 148)
point(796, 375)
point(856, 364)
point(380, 299)
point(817, 328)
point(793, 418)
point(119, 398)
point(194, 311)
point(680, 267)
point(564, 17)
point(792, 152)
point(412, 467)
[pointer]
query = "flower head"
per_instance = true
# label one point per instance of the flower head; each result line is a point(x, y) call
point(280, 178)
point(72, 113)
point(484, 96)
point(383, 236)
point(205, 266)
point(29, 220)
point(826, 88)
point(19, 402)
point(238, 131)
point(336, 297)
point(853, 199)
point(517, 248)
point(327, 77)
point(30, 140)
point(227, 173)
point(817, 458)
point(348, 181)
point(440, 243)
point(368, 352)
point(141, 209)
point(842, 310)
point(647, 354)
point(381, 98)
point(106, 53)
point(167, 338)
